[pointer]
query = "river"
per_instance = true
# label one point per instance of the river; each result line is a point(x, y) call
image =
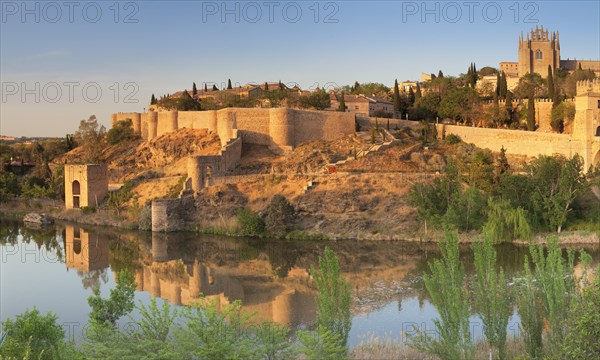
point(55, 269)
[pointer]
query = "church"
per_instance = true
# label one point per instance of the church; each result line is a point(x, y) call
point(539, 49)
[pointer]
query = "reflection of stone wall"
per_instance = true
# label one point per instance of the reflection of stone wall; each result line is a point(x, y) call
point(270, 301)
point(85, 251)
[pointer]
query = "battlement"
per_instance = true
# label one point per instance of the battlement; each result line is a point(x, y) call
point(588, 86)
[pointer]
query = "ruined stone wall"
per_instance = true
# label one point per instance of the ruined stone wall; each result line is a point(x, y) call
point(172, 214)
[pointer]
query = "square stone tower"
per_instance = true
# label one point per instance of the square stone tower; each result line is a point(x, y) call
point(586, 126)
point(538, 50)
point(85, 185)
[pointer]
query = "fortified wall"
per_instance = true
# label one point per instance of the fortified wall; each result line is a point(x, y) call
point(585, 139)
point(281, 129)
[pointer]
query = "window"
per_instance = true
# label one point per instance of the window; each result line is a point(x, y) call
point(598, 104)
point(538, 55)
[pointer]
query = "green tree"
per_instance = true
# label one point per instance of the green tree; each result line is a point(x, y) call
point(32, 335)
point(418, 93)
point(205, 88)
point(531, 113)
point(229, 87)
point(458, 104)
point(397, 103)
point(411, 96)
point(342, 107)
point(333, 301)
point(319, 100)
point(582, 327)
point(561, 114)
point(530, 312)
point(550, 84)
point(492, 296)
point(215, 88)
point(250, 223)
point(446, 287)
point(279, 216)
point(106, 312)
point(194, 89)
point(90, 137)
point(153, 100)
point(557, 182)
point(122, 131)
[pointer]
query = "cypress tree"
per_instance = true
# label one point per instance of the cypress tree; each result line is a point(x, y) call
point(280, 85)
point(531, 112)
point(229, 87)
point(205, 87)
point(152, 100)
point(356, 87)
point(342, 107)
point(580, 66)
point(550, 84)
point(194, 90)
point(473, 76)
point(266, 86)
point(418, 92)
point(440, 74)
point(508, 104)
point(215, 88)
point(411, 96)
point(397, 103)
point(498, 85)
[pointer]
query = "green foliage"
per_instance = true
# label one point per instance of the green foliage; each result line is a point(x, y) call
point(530, 312)
point(531, 114)
point(250, 222)
point(582, 328)
point(342, 107)
point(213, 334)
point(31, 335)
point(183, 103)
point(145, 218)
point(557, 182)
point(88, 210)
point(453, 139)
point(445, 285)
point(459, 104)
point(333, 301)
point(122, 131)
point(321, 344)
point(119, 303)
point(492, 296)
point(562, 114)
point(155, 322)
point(468, 211)
point(318, 99)
point(556, 284)
point(9, 185)
point(90, 137)
point(426, 107)
point(505, 223)
point(279, 216)
point(118, 199)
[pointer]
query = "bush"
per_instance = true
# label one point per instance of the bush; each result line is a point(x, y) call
point(145, 218)
point(250, 222)
point(453, 139)
point(88, 210)
point(38, 335)
point(121, 131)
point(279, 216)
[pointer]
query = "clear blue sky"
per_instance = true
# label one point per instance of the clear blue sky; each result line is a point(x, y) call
point(169, 44)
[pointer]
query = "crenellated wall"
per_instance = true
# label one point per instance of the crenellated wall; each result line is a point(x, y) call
point(281, 129)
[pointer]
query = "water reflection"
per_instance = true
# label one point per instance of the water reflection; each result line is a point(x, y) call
point(269, 277)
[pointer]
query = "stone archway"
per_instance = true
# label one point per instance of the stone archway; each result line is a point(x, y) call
point(76, 191)
point(598, 131)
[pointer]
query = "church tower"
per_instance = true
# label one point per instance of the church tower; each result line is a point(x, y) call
point(538, 50)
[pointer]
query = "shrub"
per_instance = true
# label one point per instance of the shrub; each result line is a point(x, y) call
point(145, 218)
point(279, 216)
point(32, 334)
point(120, 132)
point(88, 210)
point(250, 222)
point(453, 139)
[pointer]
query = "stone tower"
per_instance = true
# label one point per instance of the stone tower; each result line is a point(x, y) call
point(586, 126)
point(538, 50)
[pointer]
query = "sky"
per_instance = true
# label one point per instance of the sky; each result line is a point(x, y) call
point(63, 61)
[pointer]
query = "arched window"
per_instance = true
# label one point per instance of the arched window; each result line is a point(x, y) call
point(538, 55)
point(76, 189)
point(598, 131)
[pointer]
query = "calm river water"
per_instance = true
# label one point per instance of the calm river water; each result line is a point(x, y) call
point(55, 269)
